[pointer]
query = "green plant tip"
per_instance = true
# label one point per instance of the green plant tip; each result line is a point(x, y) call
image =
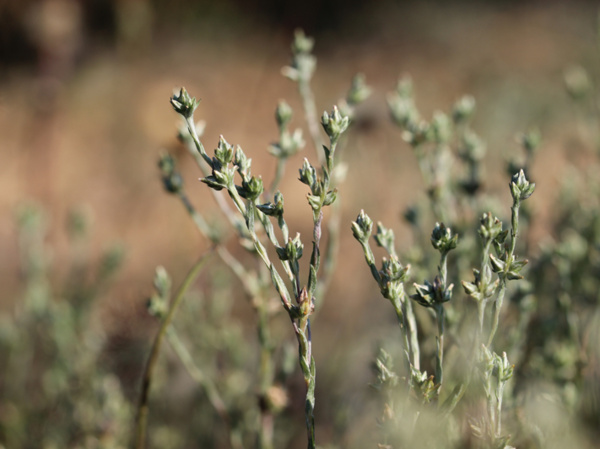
point(362, 227)
point(442, 238)
point(184, 104)
point(520, 187)
point(334, 124)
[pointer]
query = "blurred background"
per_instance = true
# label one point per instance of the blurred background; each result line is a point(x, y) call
point(85, 114)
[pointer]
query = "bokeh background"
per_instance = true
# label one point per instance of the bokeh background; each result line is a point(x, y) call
point(84, 115)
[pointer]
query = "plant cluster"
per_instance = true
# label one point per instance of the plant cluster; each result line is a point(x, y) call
point(493, 351)
point(480, 343)
point(432, 144)
point(258, 218)
point(56, 389)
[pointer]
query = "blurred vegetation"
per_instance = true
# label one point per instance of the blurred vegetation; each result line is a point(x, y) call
point(56, 389)
point(548, 329)
point(67, 383)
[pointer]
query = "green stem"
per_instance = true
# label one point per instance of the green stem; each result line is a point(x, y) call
point(497, 308)
point(279, 171)
point(514, 228)
point(490, 403)
point(499, 394)
point(411, 322)
point(142, 412)
point(199, 221)
point(192, 130)
point(370, 258)
point(481, 316)
point(289, 269)
point(439, 369)
point(315, 258)
point(443, 268)
point(331, 250)
point(484, 280)
point(509, 260)
point(440, 316)
point(310, 403)
point(397, 303)
point(248, 210)
point(310, 112)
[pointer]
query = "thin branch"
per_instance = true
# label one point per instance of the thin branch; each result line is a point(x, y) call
point(142, 411)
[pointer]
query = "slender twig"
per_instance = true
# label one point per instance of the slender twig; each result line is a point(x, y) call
point(503, 278)
point(439, 365)
point(279, 171)
point(331, 250)
point(142, 412)
point(312, 120)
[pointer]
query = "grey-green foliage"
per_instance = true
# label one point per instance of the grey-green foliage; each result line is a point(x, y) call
point(539, 388)
point(477, 362)
point(436, 145)
point(225, 166)
point(257, 215)
point(56, 391)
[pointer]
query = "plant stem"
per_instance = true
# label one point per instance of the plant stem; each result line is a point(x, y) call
point(397, 303)
point(509, 260)
point(279, 171)
point(514, 221)
point(411, 323)
point(192, 129)
point(499, 394)
point(331, 250)
point(142, 412)
point(497, 309)
point(440, 317)
point(439, 370)
point(484, 279)
point(307, 363)
point(310, 112)
point(443, 268)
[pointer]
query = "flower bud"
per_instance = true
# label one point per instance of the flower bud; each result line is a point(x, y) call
point(334, 124)
point(362, 227)
point(385, 238)
point(490, 227)
point(251, 188)
point(273, 209)
point(283, 114)
point(308, 174)
point(292, 250)
point(184, 104)
point(224, 152)
point(442, 238)
point(520, 187)
point(359, 91)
